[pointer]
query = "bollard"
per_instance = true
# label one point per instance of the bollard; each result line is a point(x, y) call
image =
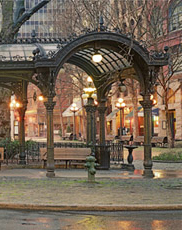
point(90, 165)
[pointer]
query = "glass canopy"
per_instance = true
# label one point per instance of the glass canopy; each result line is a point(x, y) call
point(111, 60)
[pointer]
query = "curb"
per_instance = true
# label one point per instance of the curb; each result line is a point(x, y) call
point(161, 161)
point(91, 208)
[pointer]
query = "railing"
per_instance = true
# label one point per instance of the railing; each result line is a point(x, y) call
point(115, 150)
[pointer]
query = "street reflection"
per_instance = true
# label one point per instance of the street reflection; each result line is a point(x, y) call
point(160, 224)
point(141, 220)
point(104, 223)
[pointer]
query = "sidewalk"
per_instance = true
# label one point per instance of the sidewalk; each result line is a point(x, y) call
point(114, 190)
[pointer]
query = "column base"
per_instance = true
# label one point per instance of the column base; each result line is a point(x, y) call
point(129, 167)
point(148, 173)
point(102, 168)
point(22, 162)
point(50, 174)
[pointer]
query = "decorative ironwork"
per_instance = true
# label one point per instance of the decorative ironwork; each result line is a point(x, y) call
point(49, 105)
point(2, 58)
point(154, 55)
point(46, 83)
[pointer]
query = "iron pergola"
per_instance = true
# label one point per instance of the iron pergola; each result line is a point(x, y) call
point(39, 60)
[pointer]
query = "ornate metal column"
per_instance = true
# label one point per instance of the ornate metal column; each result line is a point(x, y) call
point(49, 104)
point(147, 90)
point(21, 89)
point(91, 133)
point(103, 154)
point(46, 82)
point(21, 112)
point(147, 107)
point(102, 109)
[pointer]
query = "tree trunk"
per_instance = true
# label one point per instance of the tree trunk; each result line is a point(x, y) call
point(169, 130)
point(61, 115)
point(134, 97)
point(7, 19)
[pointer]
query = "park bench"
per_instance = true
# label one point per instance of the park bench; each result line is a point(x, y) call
point(126, 139)
point(161, 141)
point(1, 155)
point(154, 141)
point(75, 156)
point(67, 136)
point(139, 140)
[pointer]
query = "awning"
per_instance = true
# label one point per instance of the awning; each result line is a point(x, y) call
point(77, 101)
point(111, 115)
point(130, 115)
point(155, 112)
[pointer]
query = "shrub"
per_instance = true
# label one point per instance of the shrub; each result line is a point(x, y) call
point(170, 155)
point(11, 147)
point(60, 132)
point(68, 129)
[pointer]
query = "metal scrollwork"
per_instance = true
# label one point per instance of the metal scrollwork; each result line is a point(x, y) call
point(146, 103)
point(17, 86)
point(2, 58)
point(18, 58)
point(49, 105)
point(51, 54)
point(153, 74)
point(102, 109)
point(90, 108)
point(154, 55)
point(46, 82)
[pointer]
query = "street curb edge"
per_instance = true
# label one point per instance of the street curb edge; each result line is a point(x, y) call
point(91, 208)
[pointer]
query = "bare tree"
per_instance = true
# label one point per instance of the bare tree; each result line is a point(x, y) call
point(149, 23)
point(157, 33)
point(70, 84)
point(13, 20)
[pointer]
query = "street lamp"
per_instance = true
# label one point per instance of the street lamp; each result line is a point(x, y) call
point(89, 92)
point(120, 105)
point(14, 104)
point(91, 96)
point(154, 102)
point(14, 124)
point(74, 109)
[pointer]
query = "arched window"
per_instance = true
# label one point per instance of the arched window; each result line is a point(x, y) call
point(175, 15)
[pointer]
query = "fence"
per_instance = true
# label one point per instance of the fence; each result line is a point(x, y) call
point(32, 152)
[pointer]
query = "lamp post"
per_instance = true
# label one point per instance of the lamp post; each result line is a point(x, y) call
point(154, 102)
point(13, 106)
point(90, 95)
point(120, 105)
point(74, 109)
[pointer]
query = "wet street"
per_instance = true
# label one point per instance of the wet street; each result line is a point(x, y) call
point(38, 220)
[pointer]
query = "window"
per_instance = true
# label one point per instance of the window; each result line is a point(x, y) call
point(175, 16)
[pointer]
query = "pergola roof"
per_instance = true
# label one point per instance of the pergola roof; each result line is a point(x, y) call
point(11, 53)
point(21, 59)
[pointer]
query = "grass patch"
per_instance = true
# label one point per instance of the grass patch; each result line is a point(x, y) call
point(170, 155)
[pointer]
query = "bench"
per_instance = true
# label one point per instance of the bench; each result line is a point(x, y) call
point(161, 141)
point(139, 140)
point(76, 156)
point(1, 155)
point(67, 136)
point(154, 141)
point(126, 139)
